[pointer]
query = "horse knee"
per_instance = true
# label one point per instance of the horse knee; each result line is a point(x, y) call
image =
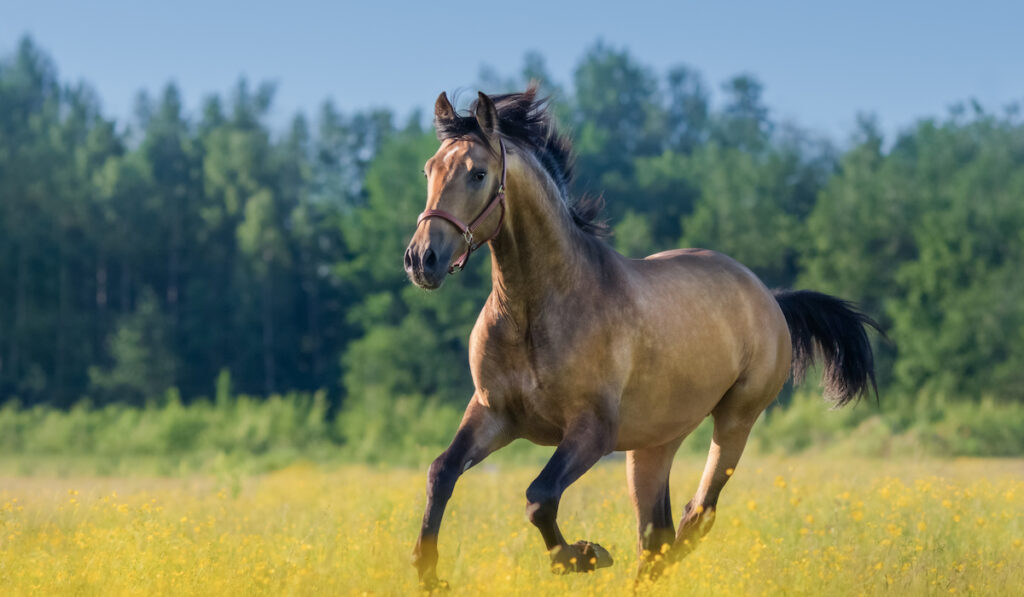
point(442, 473)
point(541, 505)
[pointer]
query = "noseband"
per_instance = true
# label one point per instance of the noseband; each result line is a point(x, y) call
point(467, 231)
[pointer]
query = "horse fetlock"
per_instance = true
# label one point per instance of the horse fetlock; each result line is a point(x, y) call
point(699, 517)
point(653, 565)
point(692, 530)
point(656, 543)
point(432, 584)
point(424, 558)
point(706, 521)
point(426, 567)
point(582, 556)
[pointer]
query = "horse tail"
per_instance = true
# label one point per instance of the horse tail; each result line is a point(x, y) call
point(840, 332)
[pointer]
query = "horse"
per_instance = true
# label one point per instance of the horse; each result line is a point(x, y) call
point(581, 348)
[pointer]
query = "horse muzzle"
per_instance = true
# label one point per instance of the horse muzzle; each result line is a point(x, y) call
point(425, 267)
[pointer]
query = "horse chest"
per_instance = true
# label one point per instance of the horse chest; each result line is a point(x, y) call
point(537, 381)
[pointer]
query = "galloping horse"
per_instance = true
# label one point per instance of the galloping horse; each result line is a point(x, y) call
point(581, 348)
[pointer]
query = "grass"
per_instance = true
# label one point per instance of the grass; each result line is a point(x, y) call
point(797, 526)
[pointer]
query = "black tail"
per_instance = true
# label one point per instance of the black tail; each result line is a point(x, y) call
point(840, 331)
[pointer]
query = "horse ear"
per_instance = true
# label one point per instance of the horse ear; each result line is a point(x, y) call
point(486, 115)
point(531, 89)
point(443, 110)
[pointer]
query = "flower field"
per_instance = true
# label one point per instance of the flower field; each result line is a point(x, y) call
point(797, 526)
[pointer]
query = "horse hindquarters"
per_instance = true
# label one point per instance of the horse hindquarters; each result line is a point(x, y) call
point(814, 320)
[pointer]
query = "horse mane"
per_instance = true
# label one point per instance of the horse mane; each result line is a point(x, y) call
point(525, 118)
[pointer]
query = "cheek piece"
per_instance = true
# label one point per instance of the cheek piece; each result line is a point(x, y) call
point(498, 200)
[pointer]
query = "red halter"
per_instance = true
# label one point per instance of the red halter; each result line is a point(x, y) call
point(467, 231)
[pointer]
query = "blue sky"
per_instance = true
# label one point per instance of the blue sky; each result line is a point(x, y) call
point(821, 62)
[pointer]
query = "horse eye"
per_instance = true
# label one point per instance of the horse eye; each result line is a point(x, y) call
point(480, 176)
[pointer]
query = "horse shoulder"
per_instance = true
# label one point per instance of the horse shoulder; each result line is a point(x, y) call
point(497, 359)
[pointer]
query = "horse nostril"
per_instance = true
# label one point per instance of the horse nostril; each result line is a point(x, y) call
point(408, 259)
point(429, 260)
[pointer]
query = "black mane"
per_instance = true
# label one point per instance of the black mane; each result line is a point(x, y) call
point(524, 118)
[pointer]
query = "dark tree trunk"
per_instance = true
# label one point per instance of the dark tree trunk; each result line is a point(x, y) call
point(99, 324)
point(312, 290)
point(268, 332)
point(18, 319)
point(173, 267)
point(125, 298)
point(60, 354)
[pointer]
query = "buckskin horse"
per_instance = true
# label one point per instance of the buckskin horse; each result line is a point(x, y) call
point(581, 348)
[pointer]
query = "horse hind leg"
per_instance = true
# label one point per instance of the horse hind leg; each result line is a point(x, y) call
point(647, 474)
point(733, 416)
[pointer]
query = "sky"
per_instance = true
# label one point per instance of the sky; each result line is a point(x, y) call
point(821, 63)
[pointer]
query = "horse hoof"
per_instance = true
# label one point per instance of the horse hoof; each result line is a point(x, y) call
point(434, 585)
point(651, 570)
point(582, 556)
point(600, 555)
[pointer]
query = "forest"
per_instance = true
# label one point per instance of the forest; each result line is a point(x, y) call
point(143, 259)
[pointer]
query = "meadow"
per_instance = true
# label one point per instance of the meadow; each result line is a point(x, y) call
point(803, 525)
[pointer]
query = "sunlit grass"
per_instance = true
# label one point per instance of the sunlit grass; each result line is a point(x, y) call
point(785, 526)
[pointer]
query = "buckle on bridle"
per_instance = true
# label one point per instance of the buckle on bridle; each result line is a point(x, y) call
point(468, 235)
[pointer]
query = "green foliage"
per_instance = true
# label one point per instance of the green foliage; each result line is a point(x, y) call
point(739, 213)
point(928, 237)
point(143, 364)
point(167, 436)
point(237, 433)
point(923, 425)
point(617, 111)
point(380, 428)
point(633, 236)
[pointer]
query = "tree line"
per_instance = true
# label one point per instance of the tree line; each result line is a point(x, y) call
point(162, 250)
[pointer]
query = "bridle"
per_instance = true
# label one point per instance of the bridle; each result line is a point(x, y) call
point(467, 231)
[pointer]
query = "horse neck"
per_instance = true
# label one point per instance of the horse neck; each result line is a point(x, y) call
point(539, 250)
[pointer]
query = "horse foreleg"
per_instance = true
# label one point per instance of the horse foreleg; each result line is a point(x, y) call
point(583, 444)
point(481, 432)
